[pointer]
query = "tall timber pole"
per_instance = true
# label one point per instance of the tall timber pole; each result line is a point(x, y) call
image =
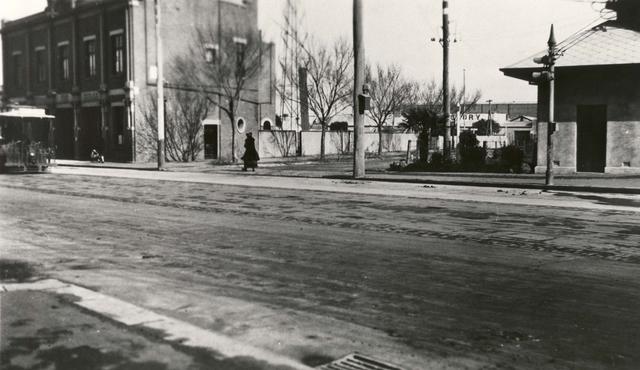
point(546, 80)
point(358, 89)
point(160, 87)
point(551, 125)
point(446, 104)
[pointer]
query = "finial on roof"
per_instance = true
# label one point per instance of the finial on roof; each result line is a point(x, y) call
point(552, 38)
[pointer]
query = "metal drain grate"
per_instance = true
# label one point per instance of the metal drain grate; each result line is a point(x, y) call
point(357, 361)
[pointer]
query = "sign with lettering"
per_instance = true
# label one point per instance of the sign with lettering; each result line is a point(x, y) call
point(467, 120)
point(63, 98)
point(89, 96)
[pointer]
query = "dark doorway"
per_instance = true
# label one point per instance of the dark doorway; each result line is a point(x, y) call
point(211, 141)
point(63, 133)
point(591, 146)
point(117, 150)
point(90, 133)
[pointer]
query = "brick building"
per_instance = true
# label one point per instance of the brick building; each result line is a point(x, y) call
point(91, 63)
point(597, 96)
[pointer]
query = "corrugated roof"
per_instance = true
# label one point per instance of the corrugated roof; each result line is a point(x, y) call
point(605, 44)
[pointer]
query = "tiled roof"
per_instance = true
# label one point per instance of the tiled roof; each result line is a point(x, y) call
point(605, 44)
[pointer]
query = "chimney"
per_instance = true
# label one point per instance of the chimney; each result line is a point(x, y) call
point(304, 98)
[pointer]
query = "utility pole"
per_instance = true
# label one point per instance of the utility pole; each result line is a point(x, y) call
point(464, 81)
point(358, 91)
point(464, 94)
point(446, 104)
point(547, 78)
point(489, 118)
point(160, 86)
point(551, 125)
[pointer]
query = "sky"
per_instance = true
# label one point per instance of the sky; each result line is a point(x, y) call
point(489, 34)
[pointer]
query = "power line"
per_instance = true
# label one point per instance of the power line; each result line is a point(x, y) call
point(577, 36)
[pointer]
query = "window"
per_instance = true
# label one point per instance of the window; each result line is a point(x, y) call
point(237, 2)
point(41, 65)
point(90, 57)
point(240, 125)
point(18, 69)
point(240, 55)
point(241, 48)
point(118, 115)
point(211, 53)
point(63, 62)
point(117, 53)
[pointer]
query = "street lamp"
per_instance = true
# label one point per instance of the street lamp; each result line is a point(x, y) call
point(546, 78)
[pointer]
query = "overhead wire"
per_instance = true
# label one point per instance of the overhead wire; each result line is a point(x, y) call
point(577, 36)
point(588, 30)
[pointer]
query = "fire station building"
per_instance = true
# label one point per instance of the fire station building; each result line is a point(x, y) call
point(91, 63)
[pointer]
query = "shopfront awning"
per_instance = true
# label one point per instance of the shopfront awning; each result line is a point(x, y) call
point(24, 112)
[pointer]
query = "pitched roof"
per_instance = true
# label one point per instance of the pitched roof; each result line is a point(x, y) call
point(605, 44)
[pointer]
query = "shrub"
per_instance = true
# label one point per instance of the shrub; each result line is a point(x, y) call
point(472, 156)
point(397, 166)
point(423, 146)
point(511, 158)
point(437, 161)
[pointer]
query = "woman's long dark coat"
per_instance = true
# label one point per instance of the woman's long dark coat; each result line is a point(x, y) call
point(250, 156)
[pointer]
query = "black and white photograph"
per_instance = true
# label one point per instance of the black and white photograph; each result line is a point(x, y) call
point(319, 184)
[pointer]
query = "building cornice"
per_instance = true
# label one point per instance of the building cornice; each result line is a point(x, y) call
point(45, 16)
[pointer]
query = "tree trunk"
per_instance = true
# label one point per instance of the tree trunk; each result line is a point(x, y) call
point(233, 140)
point(322, 142)
point(232, 115)
point(380, 141)
point(423, 149)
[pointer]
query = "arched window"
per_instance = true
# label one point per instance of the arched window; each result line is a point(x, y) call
point(266, 124)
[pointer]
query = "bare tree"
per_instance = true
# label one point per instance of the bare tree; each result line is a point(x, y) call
point(390, 92)
point(464, 100)
point(285, 141)
point(330, 82)
point(183, 124)
point(293, 37)
point(429, 95)
point(426, 117)
point(223, 67)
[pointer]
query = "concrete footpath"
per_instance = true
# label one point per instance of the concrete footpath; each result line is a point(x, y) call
point(237, 178)
point(376, 171)
point(63, 330)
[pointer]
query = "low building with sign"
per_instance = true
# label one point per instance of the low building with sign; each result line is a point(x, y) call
point(597, 97)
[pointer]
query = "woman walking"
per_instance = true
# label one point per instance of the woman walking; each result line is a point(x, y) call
point(250, 156)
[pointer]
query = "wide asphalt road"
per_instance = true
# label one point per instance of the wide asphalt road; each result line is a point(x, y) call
point(424, 283)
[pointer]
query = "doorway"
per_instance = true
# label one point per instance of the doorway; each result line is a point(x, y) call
point(63, 136)
point(210, 141)
point(90, 132)
point(117, 148)
point(591, 145)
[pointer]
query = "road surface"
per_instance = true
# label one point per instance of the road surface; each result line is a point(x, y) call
point(442, 277)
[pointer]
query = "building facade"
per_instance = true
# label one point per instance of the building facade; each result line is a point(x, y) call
point(597, 97)
point(92, 64)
